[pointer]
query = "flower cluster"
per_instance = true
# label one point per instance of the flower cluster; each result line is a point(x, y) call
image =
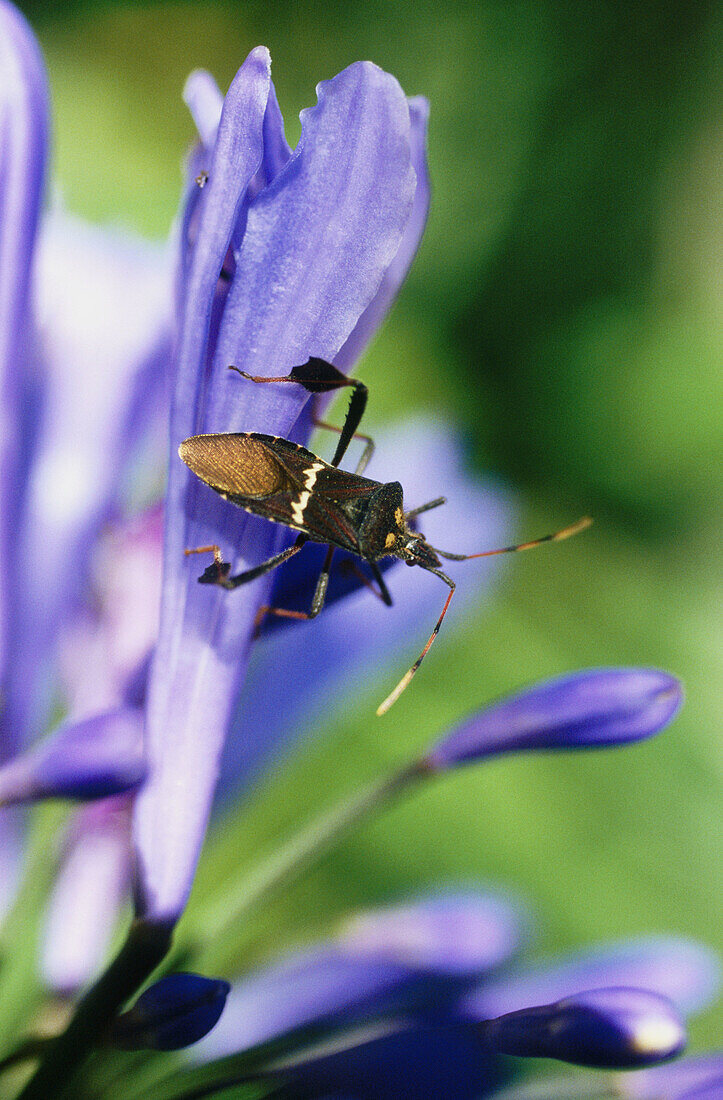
point(110, 349)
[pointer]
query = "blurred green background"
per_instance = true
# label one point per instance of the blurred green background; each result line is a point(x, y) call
point(565, 309)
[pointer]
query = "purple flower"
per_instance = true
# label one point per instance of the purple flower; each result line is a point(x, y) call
point(411, 980)
point(410, 954)
point(84, 344)
point(282, 253)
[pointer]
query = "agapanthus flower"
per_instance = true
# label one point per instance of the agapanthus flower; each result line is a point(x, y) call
point(282, 256)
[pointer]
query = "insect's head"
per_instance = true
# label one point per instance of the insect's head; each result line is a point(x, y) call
point(415, 550)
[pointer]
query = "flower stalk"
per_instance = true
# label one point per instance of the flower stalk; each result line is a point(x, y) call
point(587, 710)
point(144, 950)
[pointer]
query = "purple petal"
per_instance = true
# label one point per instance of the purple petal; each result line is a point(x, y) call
point(91, 885)
point(317, 986)
point(454, 934)
point(605, 1028)
point(86, 760)
point(166, 857)
point(396, 273)
point(172, 1013)
point(381, 959)
point(681, 970)
point(205, 102)
point(104, 652)
point(689, 1079)
point(315, 247)
point(590, 709)
point(426, 1063)
point(103, 307)
point(350, 643)
point(276, 148)
point(319, 240)
point(23, 150)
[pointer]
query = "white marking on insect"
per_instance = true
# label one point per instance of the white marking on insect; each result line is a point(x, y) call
point(310, 475)
point(297, 508)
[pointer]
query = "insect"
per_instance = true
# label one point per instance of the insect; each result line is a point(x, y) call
point(288, 484)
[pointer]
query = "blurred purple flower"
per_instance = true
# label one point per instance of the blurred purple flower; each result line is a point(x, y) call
point(89, 890)
point(406, 972)
point(84, 347)
point(418, 953)
point(24, 112)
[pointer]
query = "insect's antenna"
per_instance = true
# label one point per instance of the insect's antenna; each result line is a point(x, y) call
point(392, 698)
point(556, 536)
point(425, 507)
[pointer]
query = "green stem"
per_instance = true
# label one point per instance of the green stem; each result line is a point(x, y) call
point(304, 849)
point(27, 1050)
point(146, 946)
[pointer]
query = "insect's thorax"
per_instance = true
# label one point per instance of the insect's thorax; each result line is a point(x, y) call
point(384, 532)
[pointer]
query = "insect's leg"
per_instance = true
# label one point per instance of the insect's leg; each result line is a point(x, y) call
point(382, 593)
point(369, 443)
point(425, 507)
point(318, 376)
point(394, 695)
point(556, 536)
point(218, 573)
point(218, 561)
point(317, 602)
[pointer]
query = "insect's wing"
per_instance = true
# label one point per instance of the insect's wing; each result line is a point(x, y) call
point(236, 464)
point(326, 502)
point(282, 481)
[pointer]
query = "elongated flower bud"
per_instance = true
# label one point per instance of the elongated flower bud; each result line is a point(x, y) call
point(608, 1028)
point(590, 709)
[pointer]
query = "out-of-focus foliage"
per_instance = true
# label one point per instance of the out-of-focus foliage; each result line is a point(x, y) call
point(565, 308)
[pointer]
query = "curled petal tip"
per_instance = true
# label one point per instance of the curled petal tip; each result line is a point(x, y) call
point(262, 54)
point(605, 1028)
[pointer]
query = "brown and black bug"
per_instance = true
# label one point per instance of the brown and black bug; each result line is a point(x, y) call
point(288, 484)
